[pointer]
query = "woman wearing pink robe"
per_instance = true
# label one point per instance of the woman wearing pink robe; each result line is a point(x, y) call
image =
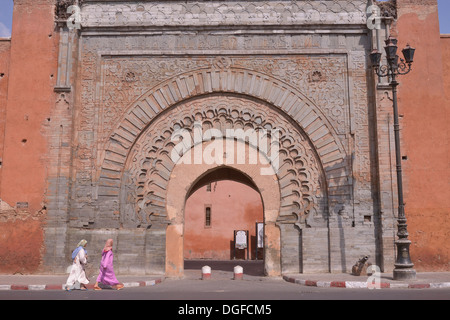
point(107, 276)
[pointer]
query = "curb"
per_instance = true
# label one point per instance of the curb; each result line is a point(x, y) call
point(365, 285)
point(40, 287)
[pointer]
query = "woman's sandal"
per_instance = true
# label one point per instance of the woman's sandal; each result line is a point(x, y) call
point(119, 286)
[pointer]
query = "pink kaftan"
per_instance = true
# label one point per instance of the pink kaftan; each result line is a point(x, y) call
point(107, 275)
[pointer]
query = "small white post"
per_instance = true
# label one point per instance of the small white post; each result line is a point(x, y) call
point(206, 273)
point(238, 273)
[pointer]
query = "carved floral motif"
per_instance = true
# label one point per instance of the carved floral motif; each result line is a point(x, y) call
point(325, 85)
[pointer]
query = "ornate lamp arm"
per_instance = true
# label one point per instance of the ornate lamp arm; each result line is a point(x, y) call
point(403, 67)
point(383, 71)
point(388, 70)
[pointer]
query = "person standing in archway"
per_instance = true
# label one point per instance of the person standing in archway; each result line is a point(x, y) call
point(107, 276)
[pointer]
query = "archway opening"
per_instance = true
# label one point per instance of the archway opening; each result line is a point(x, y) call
point(223, 221)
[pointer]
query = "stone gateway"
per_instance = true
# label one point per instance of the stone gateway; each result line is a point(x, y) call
point(145, 70)
point(130, 75)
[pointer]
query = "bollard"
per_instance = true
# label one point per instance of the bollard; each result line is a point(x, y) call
point(238, 273)
point(206, 273)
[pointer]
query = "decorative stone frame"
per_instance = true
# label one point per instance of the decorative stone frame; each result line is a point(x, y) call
point(243, 82)
point(257, 89)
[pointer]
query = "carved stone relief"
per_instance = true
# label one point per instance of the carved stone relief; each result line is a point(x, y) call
point(177, 13)
point(122, 77)
point(322, 77)
point(301, 179)
point(253, 84)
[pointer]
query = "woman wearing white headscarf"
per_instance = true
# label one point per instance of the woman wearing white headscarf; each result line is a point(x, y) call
point(77, 273)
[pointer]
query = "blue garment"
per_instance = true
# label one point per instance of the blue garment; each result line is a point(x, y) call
point(75, 252)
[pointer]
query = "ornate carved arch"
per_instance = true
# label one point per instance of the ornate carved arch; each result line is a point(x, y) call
point(239, 81)
point(149, 165)
point(306, 133)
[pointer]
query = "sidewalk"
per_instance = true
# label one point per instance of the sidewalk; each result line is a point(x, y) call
point(424, 280)
point(57, 282)
point(223, 271)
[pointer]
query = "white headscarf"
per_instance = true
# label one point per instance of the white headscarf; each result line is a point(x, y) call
point(80, 246)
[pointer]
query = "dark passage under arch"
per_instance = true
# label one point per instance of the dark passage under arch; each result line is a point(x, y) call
point(220, 174)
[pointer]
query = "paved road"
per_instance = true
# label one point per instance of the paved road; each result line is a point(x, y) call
point(227, 289)
point(222, 298)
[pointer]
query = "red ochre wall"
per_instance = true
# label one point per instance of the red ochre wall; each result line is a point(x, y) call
point(425, 135)
point(30, 98)
point(234, 206)
point(445, 44)
point(5, 48)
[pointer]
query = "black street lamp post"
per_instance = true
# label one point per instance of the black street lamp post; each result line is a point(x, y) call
point(403, 266)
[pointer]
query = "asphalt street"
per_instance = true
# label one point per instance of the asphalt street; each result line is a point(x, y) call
point(231, 290)
point(193, 298)
point(220, 297)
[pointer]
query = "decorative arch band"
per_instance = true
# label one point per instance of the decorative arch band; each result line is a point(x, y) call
point(313, 125)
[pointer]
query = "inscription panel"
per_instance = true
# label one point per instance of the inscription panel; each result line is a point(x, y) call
point(218, 13)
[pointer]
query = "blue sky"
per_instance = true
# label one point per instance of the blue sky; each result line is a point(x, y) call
point(7, 5)
point(5, 17)
point(444, 15)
